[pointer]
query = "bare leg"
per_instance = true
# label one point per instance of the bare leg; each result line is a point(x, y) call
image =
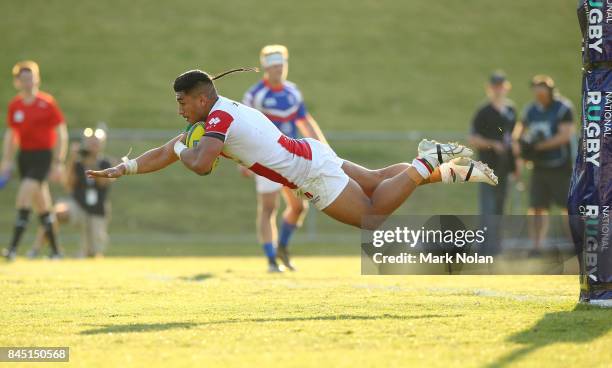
point(372, 195)
point(369, 180)
point(46, 217)
point(61, 215)
point(539, 223)
point(39, 240)
point(296, 208)
point(38, 204)
point(27, 191)
point(355, 208)
point(293, 216)
point(267, 205)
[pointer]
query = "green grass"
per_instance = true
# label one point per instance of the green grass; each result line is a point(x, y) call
point(362, 65)
point(227, 312)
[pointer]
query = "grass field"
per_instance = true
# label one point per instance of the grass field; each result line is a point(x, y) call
point(362, 64)
point(221, 311)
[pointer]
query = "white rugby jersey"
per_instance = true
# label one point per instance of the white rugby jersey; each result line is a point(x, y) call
point(253, 141)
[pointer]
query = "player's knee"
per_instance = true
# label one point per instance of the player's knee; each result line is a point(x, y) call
point(267, 209)
point(27, 189)
point(378, 175)
point(373, 178)
point(298, 208)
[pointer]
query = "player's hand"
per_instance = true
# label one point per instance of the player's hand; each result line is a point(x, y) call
point(57, 172)
point(5, 173)
point(5, 168)
point(112, 172)
point(499, 148)
point(246, 173)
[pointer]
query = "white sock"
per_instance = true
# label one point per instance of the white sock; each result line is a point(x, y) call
point(423, 167)
point(447, 174)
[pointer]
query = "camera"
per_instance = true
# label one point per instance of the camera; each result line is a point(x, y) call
point(528, 142)
point(84, 152)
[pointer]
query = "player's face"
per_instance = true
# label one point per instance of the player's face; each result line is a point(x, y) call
point(276, 74)
point(498, 91)
point(25, 81)
point(542, 95)
point(192, 107)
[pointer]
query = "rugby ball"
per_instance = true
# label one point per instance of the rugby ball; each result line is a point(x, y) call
point(194, 135)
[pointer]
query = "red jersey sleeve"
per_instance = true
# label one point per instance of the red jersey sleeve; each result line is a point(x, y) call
point(217, 124)
point(57, 117)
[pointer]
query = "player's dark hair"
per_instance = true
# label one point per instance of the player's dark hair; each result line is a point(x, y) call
point(192, 79)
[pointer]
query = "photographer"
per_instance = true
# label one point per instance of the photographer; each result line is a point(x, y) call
point(491, 132)
point(491, 135)
point(544, 137)
point(88, 206)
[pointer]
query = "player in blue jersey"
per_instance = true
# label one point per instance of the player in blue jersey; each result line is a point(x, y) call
point(282, 103)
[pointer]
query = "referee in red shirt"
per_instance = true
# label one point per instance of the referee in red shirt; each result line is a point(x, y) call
point(36, 126)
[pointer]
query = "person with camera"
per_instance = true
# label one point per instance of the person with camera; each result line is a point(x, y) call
point(544, 137)
point(491, 134)
point(88, 206)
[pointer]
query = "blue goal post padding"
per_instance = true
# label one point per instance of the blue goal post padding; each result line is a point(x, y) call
point(590, 195)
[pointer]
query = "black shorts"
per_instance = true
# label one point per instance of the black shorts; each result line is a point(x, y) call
point(549, 186)
point(34, 164)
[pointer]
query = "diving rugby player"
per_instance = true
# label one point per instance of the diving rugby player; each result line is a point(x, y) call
point(341, 189)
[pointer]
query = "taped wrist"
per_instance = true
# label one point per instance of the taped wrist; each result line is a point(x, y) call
point(131, 167)
point(179, 147)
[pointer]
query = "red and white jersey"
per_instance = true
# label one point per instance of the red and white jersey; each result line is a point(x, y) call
point(253, 141)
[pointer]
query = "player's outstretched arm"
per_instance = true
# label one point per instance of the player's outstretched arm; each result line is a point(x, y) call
point(201, 158)
point(150, 161)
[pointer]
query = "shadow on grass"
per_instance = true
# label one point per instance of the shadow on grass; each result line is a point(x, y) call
point(154, 327)
point(138, 327)
point(197, 278)
point(583, 324)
